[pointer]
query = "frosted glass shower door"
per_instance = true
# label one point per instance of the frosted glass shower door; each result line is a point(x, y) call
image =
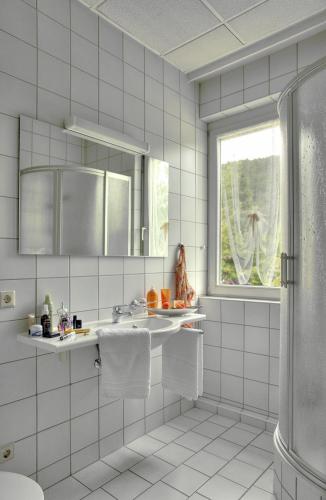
point(309, 338)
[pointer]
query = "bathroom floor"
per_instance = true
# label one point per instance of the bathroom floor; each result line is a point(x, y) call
point(197, 455)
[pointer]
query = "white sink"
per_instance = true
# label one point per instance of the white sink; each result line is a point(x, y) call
point(159, 328)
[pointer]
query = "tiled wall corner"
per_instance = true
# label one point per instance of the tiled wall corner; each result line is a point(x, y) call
point(241, 353)
point(259, 81)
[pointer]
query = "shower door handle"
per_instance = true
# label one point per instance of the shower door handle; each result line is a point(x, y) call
point(284, 269)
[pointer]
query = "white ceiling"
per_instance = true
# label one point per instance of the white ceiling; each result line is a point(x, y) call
point(194, 33)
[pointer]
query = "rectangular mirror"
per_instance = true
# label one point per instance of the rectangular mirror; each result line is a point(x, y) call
point(81, 197)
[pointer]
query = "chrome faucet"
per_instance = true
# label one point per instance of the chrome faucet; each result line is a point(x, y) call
point(118, 313)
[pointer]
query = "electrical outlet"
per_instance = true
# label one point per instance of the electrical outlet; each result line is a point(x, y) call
point(7, 299)
point(6, 452)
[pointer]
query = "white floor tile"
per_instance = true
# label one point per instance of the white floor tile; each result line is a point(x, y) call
point(209, 429)
point(122, 459)
point(206, 463)
point(165, 433)
point(145, 445)
point(185, 479)
point(265, 482)
point(221, 420)
point(255, 456)
point(183, 423)
point(197, 496)
point(238, 436)
point(95, 475)
point(198, 414)
point(68, 488)
point(99, 495)
point(193, 441)
point(257, 494)
point(161, 491)
point(223, 449)
point(152, 469)
point(249, 428)
point(264, 441)
point(241, 473)
point(174, 454)
point(219, 488)
point(126, 486)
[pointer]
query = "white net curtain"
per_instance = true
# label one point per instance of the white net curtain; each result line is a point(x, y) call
point(250, 196)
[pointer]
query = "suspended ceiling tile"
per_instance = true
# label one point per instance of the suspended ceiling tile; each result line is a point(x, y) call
point(272, 16)
point(160, 24)
point(231, 8)
point(204, 50)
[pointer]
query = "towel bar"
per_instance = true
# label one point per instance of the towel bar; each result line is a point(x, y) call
point(193, 330)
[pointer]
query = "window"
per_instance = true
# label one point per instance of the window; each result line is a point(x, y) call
point(247, 211)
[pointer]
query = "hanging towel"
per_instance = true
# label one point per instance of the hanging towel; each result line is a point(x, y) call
point(184, 291)
point(182, 363)
point(125, 362)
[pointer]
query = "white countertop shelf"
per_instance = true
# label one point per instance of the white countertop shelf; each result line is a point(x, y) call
point(77, 341)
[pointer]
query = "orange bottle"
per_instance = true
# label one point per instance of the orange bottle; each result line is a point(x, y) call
point(152, 298)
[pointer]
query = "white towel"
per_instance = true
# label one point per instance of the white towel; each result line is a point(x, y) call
point(126, 362)
point(182, 363)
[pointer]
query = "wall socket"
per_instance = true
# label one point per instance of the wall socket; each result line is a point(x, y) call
point(6, 452)
point(7, 299)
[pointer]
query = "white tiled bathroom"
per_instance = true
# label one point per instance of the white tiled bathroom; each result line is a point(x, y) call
point(135, 219)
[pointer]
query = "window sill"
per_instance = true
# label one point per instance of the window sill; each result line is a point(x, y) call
point(250, 293)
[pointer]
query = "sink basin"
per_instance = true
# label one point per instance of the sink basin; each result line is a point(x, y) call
point(159, 328)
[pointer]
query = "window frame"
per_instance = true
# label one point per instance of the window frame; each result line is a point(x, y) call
point(217, 130)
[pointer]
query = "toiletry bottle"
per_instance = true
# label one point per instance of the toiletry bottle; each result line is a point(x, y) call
point(49, 303)
point(152, 299)
point(45, 321)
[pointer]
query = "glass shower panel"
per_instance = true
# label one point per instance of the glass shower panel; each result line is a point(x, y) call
point(37, 213)
point(285, 247)
point(82, 200)
point(309, 345)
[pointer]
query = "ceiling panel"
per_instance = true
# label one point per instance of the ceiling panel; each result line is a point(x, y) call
point(160, 24)
point(273, 16)
point(231, 8)
point(204, 50)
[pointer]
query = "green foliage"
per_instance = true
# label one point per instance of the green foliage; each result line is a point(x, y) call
point(251, 194)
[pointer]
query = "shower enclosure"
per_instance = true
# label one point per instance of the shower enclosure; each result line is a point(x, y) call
point(300, 438)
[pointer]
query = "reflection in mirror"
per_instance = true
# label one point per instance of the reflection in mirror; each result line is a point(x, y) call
point(78, 197)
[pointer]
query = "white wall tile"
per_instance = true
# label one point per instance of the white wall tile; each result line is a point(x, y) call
point(232, 362)
point(18, 19)
point(19, 419)
point(111, 69)
point(59, 11)
point(84, 54)
point(24, 461)
point(51, 372)
point(256, 394)
point(16, 97)
point(84, 88)
point(257, 314)
point(11, 349)
point(84, 430)
point(53, 38)
point(231, 82)
point(110, 38)
point(133, 53)
point(111, 418)
point(232, 336)
point(232, 311)
point(284, 61)
point(256, 72)
point(257, 340)
point(13, 265)
point(210, 89)
point(82, 363)
point(53, 74)
point(84, 22)
point(84, 293)
point(232, 388)
point(111, 100)
point(17, 58)
point(110, 291)
point(53, 408)
point(256, 367)
point(58, 288)
point(153, 65)
point(53, 444)
point(134, 112)
point(9, 135)
point(134, 81)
